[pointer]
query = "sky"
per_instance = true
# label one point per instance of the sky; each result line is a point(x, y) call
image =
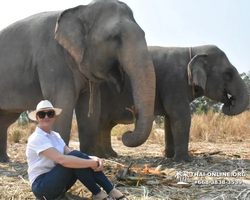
point(180, 23)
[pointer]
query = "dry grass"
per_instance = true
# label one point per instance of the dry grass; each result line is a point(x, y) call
point(215, 127)
point(209, 133)
point(74, 131)
point(121, 128)
point(20, 134)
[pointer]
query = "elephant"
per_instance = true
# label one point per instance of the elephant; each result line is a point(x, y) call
point(182, 74)
point(62, 55)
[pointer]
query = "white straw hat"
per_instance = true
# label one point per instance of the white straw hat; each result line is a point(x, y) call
point(44, 105)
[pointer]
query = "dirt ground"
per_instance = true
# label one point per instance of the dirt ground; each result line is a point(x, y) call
point(219, 171)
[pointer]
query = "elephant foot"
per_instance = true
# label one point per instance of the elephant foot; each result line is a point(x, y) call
point(94, 152)
point(183, 158)
point(4, 158)
point(111, 153)
point(100, 154)
point(169, 153)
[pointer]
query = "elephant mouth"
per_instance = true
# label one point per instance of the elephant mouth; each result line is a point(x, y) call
point(228, 100)
point(117, 76)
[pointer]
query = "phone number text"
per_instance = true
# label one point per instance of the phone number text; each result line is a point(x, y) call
point(218, 182)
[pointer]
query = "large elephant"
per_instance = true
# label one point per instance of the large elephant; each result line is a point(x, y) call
point(182, 74)
point(61, 55)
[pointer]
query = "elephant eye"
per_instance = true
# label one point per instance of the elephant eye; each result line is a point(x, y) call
point(228, 76)
point(115, 38)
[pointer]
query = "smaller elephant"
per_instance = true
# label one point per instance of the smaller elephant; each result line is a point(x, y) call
point(182, 74)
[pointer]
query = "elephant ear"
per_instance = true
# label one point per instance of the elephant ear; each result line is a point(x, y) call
point(197, 77)
point(70, 32)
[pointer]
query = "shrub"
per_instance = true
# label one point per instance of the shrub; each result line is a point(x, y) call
point(15, 135)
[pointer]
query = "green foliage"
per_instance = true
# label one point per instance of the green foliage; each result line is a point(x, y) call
point(24, 120)
point(203, 108)
point(246, 79)
point(202, 105)
point(159, 122)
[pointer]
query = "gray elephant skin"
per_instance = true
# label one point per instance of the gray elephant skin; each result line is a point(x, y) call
point(61, 55)
point(182, 74)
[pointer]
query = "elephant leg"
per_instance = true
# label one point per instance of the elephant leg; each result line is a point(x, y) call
point(6, 119)
point(177, 127)
point(88, 127)
point(106, 141)
point(63, 123)
point(180, 120)
point(169, 139)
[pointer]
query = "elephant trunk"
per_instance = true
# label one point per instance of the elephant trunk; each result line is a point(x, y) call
point(142, 77)
point(238, 102)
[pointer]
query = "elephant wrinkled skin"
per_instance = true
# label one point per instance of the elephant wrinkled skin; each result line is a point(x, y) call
point(60, 55)
point(182, 74)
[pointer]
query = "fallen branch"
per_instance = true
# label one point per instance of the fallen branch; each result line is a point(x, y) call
point(111, 161)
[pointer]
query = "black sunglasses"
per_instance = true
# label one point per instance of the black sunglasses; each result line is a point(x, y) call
point(42, 114)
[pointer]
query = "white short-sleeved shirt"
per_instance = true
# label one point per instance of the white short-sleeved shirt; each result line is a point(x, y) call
point(39, 141)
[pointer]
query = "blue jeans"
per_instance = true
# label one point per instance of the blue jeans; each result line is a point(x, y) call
point(60, 179)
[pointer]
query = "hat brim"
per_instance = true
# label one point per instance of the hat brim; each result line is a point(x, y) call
point(32, 115)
